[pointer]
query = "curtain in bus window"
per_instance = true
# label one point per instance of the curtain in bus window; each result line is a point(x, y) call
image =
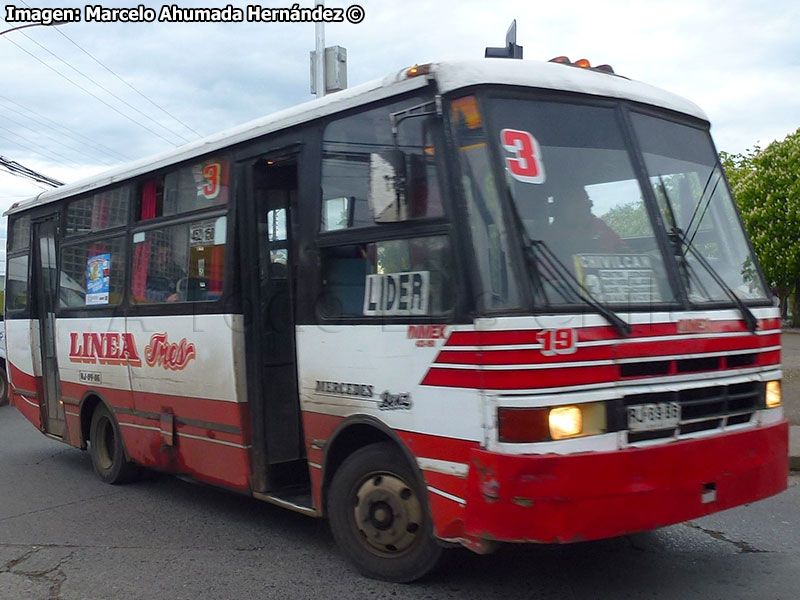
point(149, 195)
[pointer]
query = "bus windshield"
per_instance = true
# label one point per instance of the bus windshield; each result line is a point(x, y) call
point(691, 193)
point(570, 173)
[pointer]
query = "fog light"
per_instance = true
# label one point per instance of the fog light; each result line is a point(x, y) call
point(565, 421)
point(773, 394)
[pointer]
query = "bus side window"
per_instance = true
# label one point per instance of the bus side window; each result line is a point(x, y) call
point(92, 273)
point(348, 146)
point(407, 277)
point(179, 263)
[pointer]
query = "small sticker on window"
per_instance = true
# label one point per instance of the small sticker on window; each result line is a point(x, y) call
point(98, 273)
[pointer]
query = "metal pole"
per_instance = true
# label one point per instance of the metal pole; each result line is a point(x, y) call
point(319, 79)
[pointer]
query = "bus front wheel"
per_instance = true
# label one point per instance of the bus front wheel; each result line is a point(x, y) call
point(378, 515)
point(106, 448)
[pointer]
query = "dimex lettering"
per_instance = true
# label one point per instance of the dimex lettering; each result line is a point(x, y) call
point(426, 335)
point(104, 348)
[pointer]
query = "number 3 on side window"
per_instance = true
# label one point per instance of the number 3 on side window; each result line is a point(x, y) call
point(212, 176)
point(526, 164)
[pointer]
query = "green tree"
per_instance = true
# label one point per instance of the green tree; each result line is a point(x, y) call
point(629, 220)
point(766, 186)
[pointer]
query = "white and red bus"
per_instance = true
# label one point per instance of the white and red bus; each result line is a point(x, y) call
point(473, 302)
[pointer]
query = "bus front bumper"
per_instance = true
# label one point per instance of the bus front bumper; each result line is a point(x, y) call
point(559, 499)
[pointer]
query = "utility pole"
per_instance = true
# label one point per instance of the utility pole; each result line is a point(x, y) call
point(319, 56)
point(328, 65)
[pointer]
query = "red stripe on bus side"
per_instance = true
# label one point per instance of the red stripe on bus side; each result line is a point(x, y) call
point(515, 379)
point(529, 336)
point(676, 348)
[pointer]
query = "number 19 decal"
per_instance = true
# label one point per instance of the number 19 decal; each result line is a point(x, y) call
point(526, 163)
point(558, 341)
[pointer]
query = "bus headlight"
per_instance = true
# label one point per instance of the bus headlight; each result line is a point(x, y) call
point(527, 425)
point(565, 421)
point(773, 394)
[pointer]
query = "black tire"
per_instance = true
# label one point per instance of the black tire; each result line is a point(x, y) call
point(107, 449)
point(379, 517)
point(3, 386)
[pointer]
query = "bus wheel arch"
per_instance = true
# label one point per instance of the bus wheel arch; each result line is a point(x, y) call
point(100, 431)
point(377, 506)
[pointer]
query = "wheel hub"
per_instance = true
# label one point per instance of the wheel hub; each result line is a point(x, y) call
point(387, 513)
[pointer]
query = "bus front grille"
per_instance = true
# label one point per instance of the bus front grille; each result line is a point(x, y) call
point(702, 409)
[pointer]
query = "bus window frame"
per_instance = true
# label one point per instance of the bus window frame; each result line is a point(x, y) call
point(215, 306)
point(99, 309)
point(622, 109)
point(516, 260)
point(428, 226)
point(705, 126)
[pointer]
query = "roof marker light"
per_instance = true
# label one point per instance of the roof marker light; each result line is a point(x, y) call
point(583, 63)
point(418, 70)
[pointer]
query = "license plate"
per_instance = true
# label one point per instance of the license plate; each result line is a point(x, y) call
point(657, 415)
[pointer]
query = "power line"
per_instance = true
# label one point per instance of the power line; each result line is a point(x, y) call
point(52, 124)
point(142, 125)
point(41, 150)
point(56, 140)
point(106, 90)
point(15, 168)
point(87, 53)
point(164, 110)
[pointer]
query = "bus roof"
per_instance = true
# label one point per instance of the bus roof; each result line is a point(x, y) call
point(449, 76)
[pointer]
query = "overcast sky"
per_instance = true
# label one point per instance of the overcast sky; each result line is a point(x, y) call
point(739, 60)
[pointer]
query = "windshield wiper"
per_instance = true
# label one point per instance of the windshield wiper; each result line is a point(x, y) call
point(538, 253)
point(558, 271)
point(682, 246)
point(717, 168)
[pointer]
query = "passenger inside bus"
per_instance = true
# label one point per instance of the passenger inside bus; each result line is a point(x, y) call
point(163, 276)
point(575, 229)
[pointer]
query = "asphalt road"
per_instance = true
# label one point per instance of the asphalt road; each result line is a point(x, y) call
point(65, 535)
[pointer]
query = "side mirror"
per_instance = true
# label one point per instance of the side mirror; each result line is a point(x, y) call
point(388, 201)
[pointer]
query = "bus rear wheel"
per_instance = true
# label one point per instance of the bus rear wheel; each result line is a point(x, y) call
point(379, 517)
point(106, 448)
point(3, 386)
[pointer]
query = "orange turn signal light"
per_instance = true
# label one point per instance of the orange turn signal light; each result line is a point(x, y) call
point(583, 63)
point(418, 70)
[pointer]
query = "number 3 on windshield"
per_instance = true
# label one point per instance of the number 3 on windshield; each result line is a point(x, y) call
point(526, 164)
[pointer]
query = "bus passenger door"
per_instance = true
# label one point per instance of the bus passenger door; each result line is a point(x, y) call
point(275, 192)
point(45, 280)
